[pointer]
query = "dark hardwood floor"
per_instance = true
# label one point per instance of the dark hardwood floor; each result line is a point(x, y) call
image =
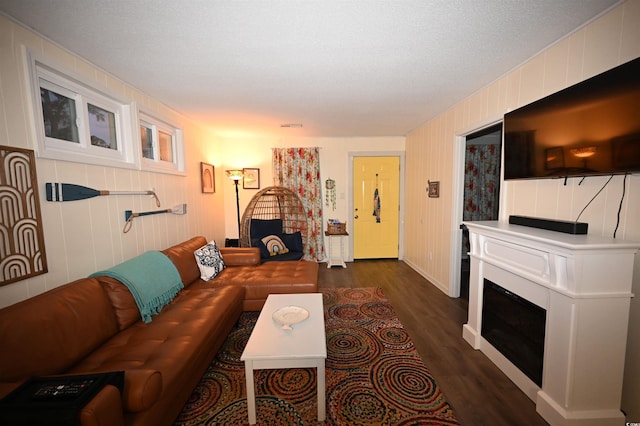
point(478, 391)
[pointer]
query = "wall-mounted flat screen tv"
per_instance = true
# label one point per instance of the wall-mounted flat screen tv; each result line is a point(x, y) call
point(591, 128)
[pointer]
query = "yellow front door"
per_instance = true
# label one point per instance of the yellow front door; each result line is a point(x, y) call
point(376, 203)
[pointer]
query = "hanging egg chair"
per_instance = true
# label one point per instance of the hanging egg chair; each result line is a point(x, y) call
point(269, 205)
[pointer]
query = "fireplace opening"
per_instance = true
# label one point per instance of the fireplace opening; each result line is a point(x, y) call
point(515, 327)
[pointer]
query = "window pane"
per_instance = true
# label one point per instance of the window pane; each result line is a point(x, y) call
point(146, 141)
point(102, 127)
point(166, 149)
point(59, 113)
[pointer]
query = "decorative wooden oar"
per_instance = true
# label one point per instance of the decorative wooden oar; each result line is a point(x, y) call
point(71, 192)
point(130, 215)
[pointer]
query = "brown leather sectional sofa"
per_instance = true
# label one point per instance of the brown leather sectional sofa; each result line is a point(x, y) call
point(93, 325)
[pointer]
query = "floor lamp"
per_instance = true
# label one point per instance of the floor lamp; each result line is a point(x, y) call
point(236, 176)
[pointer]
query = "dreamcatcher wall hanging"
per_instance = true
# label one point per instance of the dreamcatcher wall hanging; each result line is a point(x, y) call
point(330, 193)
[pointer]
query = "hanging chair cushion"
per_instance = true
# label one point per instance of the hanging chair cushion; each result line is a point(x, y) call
point(292, 255)
point(257, 242)
point(266, 229)
point(293, 241)
point(261, 228)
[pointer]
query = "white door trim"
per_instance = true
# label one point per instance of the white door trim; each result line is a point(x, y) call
point(459, 149)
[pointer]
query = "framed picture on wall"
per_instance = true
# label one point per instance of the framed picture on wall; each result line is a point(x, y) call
point(251, 178)
point(208, 178)
point(434, 189)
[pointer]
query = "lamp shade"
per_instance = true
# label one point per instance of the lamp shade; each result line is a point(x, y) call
point(234, 174)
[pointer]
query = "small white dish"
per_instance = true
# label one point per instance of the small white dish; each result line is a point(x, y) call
point(289, 315)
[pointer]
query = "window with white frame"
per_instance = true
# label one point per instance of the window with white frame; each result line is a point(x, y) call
point(77, 122)
point(161, 145)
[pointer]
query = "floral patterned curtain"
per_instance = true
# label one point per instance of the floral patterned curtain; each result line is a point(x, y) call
point(299, 170)
point(482, 182)
point(481, 186)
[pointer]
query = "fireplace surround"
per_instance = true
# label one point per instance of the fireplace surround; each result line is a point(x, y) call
point(583, 283)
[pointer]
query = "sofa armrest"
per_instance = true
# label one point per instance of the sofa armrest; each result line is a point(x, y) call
point(240, 256)
point(105, 409)
point(142, 388)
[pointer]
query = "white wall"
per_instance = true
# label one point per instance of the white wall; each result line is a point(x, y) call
point(334, 164)
point(431, 228)
point(84, 236)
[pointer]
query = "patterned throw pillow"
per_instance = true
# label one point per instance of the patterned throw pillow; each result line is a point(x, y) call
point(274, 245)
point(209, 261)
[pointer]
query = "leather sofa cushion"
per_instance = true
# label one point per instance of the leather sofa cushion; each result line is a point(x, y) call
point(294, 272)
point(182, 257)
point(240, 256)
point(268, 278)
point(173, 344)
point(55, 329)
point(124, 305)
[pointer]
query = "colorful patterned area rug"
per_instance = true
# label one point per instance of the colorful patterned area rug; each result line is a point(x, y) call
point(374, 375)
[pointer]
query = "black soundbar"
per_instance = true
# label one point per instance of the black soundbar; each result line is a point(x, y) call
point(575, 228)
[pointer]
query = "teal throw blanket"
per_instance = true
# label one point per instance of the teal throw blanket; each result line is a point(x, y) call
point(152, 279)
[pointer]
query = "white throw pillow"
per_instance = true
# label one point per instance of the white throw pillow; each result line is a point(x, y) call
point(209, 261)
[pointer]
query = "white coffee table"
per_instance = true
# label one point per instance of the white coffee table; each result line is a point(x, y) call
point(304, 346)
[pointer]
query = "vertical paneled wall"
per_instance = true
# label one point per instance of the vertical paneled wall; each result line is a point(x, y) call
point(334, 163)
point(604, 43)
point(84, 236)
point(608, 41)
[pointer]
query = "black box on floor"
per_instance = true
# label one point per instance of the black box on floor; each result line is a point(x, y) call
point(231, 242)
point(54, 400)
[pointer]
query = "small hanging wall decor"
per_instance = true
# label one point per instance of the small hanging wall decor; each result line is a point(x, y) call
point(376, 202)
point(330, 193)
point(433, 189)
point(129, 215)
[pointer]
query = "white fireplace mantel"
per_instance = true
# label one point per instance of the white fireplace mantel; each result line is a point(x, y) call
point(584, 284)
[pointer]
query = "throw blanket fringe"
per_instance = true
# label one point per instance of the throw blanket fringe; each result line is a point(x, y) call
point(152, 279)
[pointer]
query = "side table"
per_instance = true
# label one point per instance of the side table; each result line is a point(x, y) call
point(336, 261)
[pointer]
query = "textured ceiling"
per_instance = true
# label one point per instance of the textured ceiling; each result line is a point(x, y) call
point(340, 68)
